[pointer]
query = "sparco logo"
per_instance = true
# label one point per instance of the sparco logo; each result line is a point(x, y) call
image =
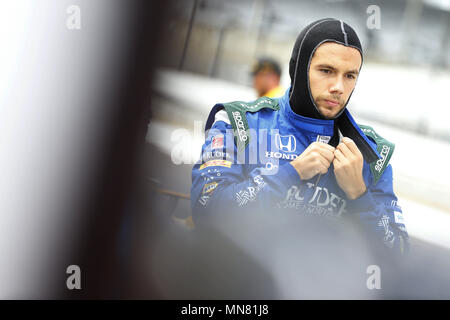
point(380, 162)
point(285, 143)
point(240, 126)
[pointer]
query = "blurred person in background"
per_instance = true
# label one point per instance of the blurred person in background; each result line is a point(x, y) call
point(266, 74)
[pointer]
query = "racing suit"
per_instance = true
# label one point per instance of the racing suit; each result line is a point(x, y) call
point(245, 165)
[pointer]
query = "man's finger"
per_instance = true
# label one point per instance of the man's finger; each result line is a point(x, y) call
point(327, 154)
point(345, 150)
point(339, 155)
point(324, 170)
point(351, 145)
point(326, 146)
point(322, 161)
point(336, 162)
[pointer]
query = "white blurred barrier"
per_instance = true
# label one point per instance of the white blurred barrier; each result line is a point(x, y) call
point(406, 97)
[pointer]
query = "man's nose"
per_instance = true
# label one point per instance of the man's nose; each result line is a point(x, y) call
point(337, 86)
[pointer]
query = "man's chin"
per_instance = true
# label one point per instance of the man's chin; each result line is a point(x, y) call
point(329, 114)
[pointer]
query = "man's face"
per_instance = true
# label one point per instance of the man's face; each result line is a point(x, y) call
point(265, 80)
point(332, 76)
point(259, 83)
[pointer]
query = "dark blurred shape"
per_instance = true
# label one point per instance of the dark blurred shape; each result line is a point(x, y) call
point(106, 253)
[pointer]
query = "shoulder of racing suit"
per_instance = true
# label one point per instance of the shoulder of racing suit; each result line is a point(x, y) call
point(237, 111)
point(384, 147)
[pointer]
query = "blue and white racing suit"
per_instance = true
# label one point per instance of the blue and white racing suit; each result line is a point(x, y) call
point(245, 165)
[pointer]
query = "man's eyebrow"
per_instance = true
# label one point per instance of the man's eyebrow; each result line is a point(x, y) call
point(332, 68)
point(325, 66)
point(353, 71)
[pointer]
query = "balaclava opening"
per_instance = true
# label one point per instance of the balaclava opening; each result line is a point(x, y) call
point(311, 37)
point(300, 97)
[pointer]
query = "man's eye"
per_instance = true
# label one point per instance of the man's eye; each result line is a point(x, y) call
point(351, 76)
point(325, 70)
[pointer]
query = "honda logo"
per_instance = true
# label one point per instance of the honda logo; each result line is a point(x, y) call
point(285, 143)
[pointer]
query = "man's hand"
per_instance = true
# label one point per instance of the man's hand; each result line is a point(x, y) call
point(314, 160)
point(348, 167)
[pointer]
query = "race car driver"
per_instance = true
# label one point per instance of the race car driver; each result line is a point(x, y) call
point(302, 152)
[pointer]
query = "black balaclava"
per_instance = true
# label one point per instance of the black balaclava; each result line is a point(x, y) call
point(300, 97)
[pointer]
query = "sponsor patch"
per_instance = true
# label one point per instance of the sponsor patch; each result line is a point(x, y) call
point(207, 192)
point(210, 155)
point(258, 104)
point(241, 127)
point(380, 162)
point(395, 206)
point(323, 139)
point(216, 163)
point(279, 155)
point(388, 238)
point(398, 217)
point(285, 143)
point(369, 131)
point(384, 147)
point(204, 199)
point(311, 199)
point(249, 194)
point(217, 142)
point(211, 174)
point(209, 187)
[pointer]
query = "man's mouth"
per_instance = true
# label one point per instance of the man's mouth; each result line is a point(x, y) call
point(332, 103)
